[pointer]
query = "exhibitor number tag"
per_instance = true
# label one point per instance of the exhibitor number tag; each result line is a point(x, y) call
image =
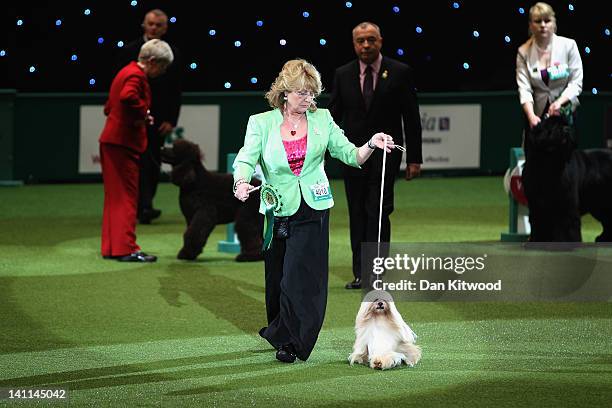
point(320, 191)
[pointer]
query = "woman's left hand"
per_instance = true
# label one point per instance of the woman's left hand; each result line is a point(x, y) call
point(379, 141)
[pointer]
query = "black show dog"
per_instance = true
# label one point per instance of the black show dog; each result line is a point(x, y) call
point(206, 200)
point(562, 183)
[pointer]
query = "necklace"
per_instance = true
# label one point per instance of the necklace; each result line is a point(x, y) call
point(296, 125)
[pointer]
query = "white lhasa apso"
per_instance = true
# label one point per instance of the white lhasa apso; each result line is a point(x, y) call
point(384, 340)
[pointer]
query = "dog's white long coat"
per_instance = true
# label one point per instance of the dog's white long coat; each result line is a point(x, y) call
point(382, 337)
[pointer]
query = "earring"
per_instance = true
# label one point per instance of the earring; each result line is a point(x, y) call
point(285, 97)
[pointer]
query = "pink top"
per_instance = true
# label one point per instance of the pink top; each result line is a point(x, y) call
point(296, 152)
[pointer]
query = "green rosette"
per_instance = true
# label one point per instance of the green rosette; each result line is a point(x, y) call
point(271, 199)
point(567, 112)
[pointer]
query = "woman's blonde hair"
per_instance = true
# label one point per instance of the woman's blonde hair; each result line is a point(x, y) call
point(296, 75)
point(542, 10)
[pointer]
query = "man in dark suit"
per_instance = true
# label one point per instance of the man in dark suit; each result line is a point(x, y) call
point(374, 94)
point(165, 107)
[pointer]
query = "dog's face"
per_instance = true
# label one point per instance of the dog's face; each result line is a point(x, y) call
point(376, 304)
point(183, 156)
point(552, 135)
point(181, 151)
point(379, 306)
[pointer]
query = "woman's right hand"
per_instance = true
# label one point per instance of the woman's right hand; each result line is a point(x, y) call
point(533, 121)
point(383, 140)
point(242, 191)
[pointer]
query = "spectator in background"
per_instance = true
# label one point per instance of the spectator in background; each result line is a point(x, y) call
point(374, 94)
point(165, 107)
point(123, 140)
point(548, 67)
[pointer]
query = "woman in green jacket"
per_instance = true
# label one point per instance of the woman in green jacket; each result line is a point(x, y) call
point(289, 142)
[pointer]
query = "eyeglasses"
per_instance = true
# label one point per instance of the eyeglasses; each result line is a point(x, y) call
point(304, 94)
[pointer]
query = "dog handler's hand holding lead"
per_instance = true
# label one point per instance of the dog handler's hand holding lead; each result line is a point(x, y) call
point(149, 119)
point(382, 141)
point(379, 140)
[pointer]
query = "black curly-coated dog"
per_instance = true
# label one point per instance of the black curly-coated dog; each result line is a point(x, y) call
point(562, 183)
point(206, 200)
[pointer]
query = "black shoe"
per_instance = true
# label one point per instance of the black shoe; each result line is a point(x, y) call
point(355, 284)
point(110, 257)
point(148, 214)
point(137, 257)
point(286, 354)
point(254, 257)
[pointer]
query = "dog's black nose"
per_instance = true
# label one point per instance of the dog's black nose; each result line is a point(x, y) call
point(380, 304)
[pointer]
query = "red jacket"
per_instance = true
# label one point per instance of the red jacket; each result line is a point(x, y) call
point(126, 109)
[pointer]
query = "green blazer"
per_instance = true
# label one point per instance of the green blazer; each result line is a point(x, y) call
point(263, 145)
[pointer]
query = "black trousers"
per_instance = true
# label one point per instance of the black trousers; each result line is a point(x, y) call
point(150, 167)
point(363, 199)
point(296, 282)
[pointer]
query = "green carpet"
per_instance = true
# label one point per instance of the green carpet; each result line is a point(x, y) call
point(182, 334)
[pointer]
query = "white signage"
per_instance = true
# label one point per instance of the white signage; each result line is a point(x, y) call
point(197, 123)
point(451, 136)
point(91, 124)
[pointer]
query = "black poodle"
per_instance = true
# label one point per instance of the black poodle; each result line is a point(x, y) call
point(207, 200)
point(562, 183)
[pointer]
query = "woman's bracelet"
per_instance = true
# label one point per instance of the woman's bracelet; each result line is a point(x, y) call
point(370, 145)
point(237, 183)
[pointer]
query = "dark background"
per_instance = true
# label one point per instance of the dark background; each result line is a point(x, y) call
point(437, 54)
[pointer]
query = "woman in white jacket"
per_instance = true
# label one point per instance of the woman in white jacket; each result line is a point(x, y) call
point(548, 67)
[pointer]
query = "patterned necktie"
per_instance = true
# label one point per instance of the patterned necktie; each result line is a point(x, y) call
point(368, 86)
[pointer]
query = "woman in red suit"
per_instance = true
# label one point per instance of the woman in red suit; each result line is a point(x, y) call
point(122, 141)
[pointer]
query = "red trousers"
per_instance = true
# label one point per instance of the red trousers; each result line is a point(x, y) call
point(120, 172)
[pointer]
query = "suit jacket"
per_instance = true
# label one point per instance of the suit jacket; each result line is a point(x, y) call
point(530, 84)
point(165, 89)
point(263, 144)
point(126, 109)
point(394, 101)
